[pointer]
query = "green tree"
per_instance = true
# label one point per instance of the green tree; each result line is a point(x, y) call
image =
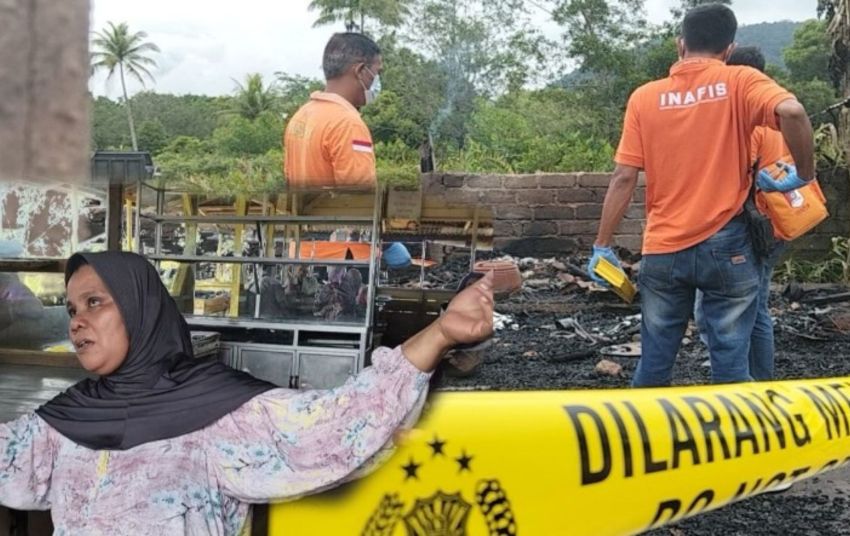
point(538, 130)
point(468, 49)
point(253, 98)
point(152, 136)
point(837, 15)
point(180, 115)
point(109, 125)
point(816, 96)
point(807, 58)
point(389, 121)
point(616, 51)
point(294, 91)
point(685, 5)
point(415, 88)
point(488, 44)
point(243, 136)
point(116, 47)
point(771, 37)
point(386, 13)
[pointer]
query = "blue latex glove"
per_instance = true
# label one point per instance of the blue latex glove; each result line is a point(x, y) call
point(600, 252)
point(791, 181)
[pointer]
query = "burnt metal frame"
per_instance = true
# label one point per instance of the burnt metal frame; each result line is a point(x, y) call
point(364, 330)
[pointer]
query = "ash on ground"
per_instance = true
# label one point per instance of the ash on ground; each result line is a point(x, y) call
point(555, 333)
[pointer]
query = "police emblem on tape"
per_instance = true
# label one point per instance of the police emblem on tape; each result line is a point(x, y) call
point(442, 513)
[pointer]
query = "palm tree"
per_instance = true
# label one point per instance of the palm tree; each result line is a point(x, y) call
point(253, 97)
point(115, 47)
point(386, 12)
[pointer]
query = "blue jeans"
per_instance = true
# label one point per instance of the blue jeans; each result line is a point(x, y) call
point(761, 342)
point(725, 269)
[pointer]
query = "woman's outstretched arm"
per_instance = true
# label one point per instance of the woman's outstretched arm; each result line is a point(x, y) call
point(285, 443)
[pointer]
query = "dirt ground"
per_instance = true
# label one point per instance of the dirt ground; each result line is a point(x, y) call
point(536, 351)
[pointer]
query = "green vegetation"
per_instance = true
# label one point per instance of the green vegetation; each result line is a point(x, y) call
point(835, 268)
point(115, 47)
point(475, 78)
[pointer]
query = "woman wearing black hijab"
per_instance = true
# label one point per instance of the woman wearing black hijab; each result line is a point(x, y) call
point(161, 443)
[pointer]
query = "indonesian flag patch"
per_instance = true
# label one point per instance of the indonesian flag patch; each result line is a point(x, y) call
point(362, 146)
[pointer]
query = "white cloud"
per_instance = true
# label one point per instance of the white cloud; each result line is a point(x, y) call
point(208, 43)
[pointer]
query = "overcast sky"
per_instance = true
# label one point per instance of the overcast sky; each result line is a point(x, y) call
point(208, 43)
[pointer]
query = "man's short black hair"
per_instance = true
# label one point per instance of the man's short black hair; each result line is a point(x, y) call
point(709, 28)
point(749, 56)
point(344, 50)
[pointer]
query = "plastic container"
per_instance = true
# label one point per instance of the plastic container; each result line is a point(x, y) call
point(396, 256)
point(506, 276)
point(616, 277)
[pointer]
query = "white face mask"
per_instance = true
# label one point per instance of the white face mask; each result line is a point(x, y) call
point(371, 93)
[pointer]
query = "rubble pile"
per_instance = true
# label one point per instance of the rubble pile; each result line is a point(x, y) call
point(567, 333)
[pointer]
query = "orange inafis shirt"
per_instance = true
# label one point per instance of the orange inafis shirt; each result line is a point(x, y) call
point(768, 147)
point(327, 144)
point(691, 133)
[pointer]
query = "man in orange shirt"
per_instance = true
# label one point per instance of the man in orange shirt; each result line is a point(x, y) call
point(767, 147)
point(326, 143)
point(690, 133)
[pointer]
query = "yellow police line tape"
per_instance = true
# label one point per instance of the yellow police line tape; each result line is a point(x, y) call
point(586, 462)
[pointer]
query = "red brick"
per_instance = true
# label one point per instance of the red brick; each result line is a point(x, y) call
point(636, 212)
point(498, 197)
point(484, 181)
point(432, 183)
point(539, 228)
point(628, 227)
point(589, 212)
point(594, 180)
point(573, 227)
point(538, 247)
point(585, 241)
point(536, 197)
point(512, 212)
point(553, 213)
point(464, 196)
point(507, 228)
point(501, 243)
point(557, 181)
point(453, 181)
point(521, 182)
point(579, 195)
point(630, 242)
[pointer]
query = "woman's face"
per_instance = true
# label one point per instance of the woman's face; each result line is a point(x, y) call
point(97, 328)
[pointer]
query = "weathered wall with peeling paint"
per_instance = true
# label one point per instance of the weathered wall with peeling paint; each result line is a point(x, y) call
point(44, 71)
point(52, 221)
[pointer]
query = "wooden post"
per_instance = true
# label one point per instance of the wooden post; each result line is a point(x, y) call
point(183, 286)
point(115, 206)
point(236, 269)
point(44, 102)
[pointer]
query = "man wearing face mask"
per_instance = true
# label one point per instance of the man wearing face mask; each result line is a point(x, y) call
point(690, 133)
point(326, 143)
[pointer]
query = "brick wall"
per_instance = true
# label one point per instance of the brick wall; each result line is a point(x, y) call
point(546, 214)
point(542, 214)
point(835, 184)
